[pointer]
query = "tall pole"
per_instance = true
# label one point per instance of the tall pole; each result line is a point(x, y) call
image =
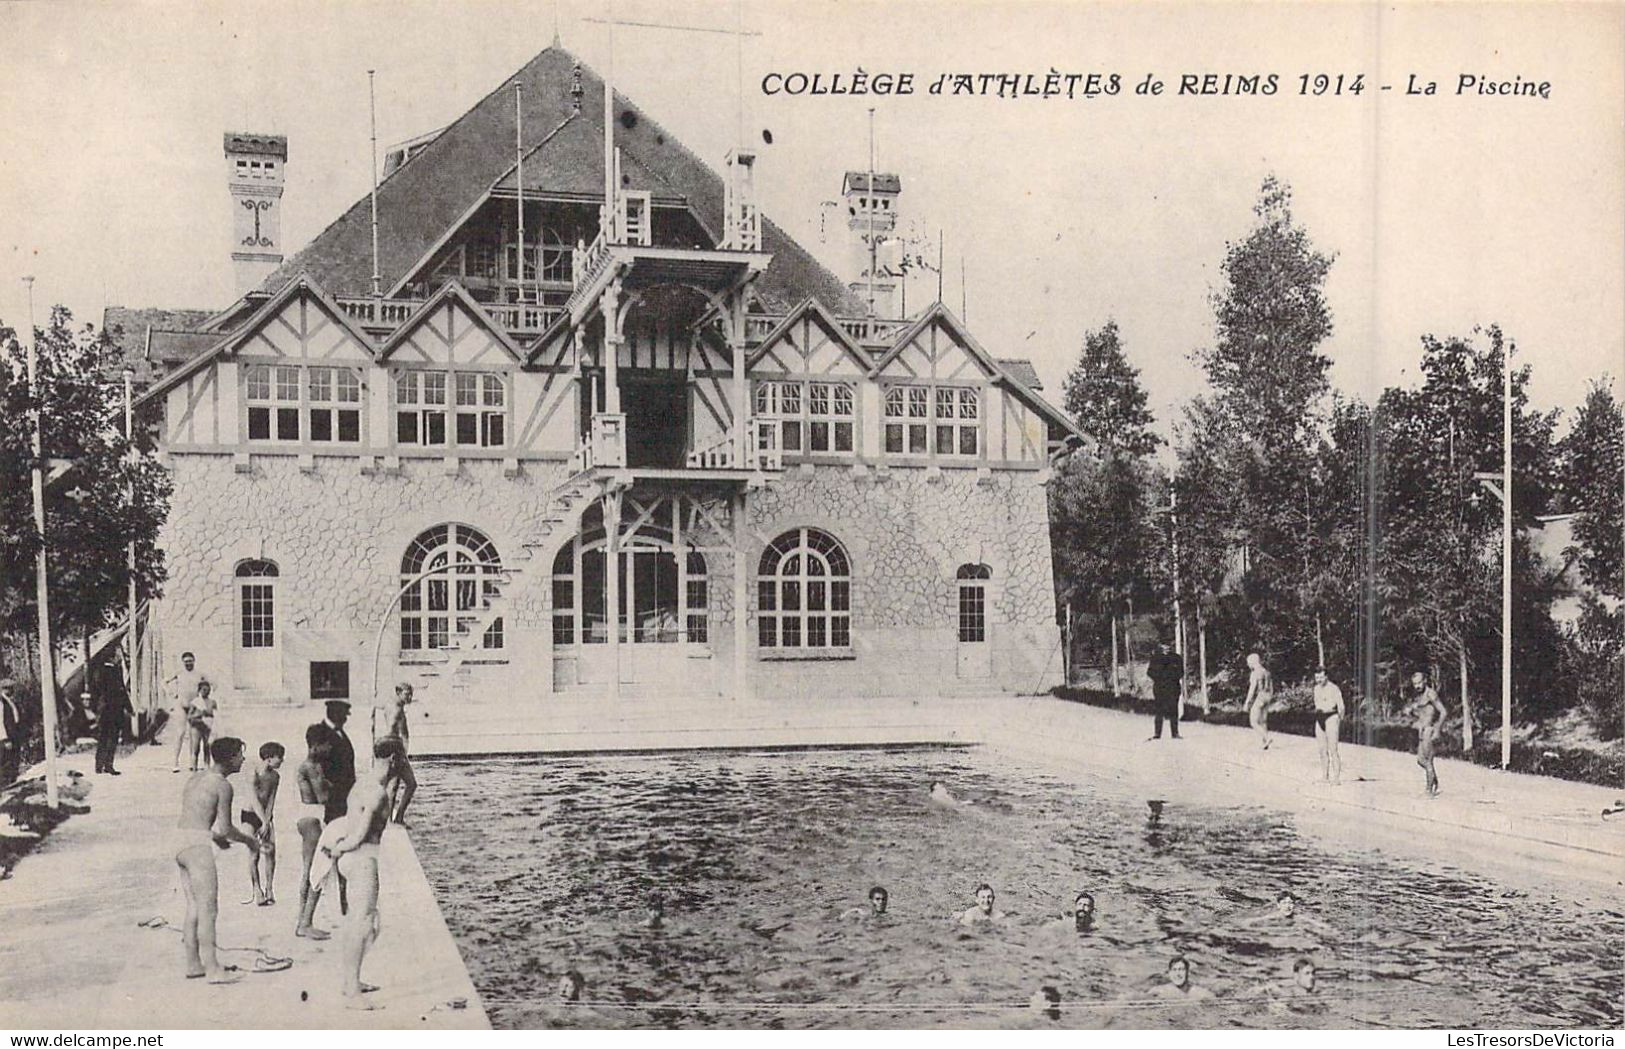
point(519, 179)
point(1506, 559)
point(133, 664)
point(609, 139)
point(372, 110)
point(870, 208)
point(47, 665)
point(1179, 616)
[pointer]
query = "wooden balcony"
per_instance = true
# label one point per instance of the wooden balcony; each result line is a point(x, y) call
point(868, 332)
point(384, 315)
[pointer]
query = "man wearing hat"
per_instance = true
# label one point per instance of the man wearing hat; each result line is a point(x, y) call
point(338, 766)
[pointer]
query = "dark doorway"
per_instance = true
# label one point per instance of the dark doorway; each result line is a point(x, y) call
point(656, 421)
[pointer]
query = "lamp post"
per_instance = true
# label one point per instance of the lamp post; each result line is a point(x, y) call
point(1500, 486)
point(133, 664)
point(47, 666)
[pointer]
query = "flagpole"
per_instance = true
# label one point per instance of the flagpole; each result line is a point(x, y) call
point(47, 665)
point(519, 177)
point(372, 109)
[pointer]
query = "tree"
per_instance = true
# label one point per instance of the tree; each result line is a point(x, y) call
point(1103, 394)
point(90, 514)
point(1269, 381)
point(1100, 498)
point(1593, 466)
point(1439, 554)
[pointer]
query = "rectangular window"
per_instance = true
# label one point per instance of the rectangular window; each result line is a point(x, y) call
point(972, 612)
point(816, 417)
point(935, 421)
point(335, 405)
point(330, 679)
point(479, 415)
point(272, 393)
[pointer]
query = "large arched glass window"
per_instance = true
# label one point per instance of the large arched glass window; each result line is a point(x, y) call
point(460, 572)
point(804, 593)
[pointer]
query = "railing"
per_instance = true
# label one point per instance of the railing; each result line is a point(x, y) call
point(761, 453)
point(866, 331)
point(380, 311)
point(605, 445)
point(521, 317)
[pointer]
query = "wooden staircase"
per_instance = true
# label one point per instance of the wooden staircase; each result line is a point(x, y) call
point(450, 668)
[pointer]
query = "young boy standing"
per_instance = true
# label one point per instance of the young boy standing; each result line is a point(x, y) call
point(259, 815)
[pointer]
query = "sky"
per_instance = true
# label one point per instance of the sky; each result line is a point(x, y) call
point(1444, 212)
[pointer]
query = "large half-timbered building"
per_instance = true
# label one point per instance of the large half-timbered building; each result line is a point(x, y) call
point(511, 442)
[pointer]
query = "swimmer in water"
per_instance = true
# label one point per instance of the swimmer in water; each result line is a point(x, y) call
point(984, 910)
point(878, 899)
point(1046, 1002)
point(1083, 912)
point(654, 915)
point(942, 795)
point(571, 984)
point(1176, 984)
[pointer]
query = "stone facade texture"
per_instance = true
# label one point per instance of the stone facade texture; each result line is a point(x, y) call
point(337, 532)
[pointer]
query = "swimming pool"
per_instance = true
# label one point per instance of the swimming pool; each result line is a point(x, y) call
point(543, 866)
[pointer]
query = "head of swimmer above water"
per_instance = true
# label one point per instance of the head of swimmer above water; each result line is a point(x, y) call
point(984, 898)
point(1083, 911)
point(571, 984)
point(1286, 905)
point(878, 899)
point(1179, 971)
point(1303, 974)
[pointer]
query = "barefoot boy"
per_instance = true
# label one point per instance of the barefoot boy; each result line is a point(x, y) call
point(258, 815)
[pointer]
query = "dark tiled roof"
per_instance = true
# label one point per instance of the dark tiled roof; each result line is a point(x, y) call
point(169, 348)
point(571, 163)
point(248, 142)
point(1022, 371)
point(884, 183)
point(422, 200)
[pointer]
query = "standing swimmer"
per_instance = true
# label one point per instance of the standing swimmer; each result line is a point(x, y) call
point(1260, 695)
point(1430, 714)
point(1329, 712)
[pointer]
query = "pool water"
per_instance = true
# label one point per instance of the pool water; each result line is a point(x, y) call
point(544, 866)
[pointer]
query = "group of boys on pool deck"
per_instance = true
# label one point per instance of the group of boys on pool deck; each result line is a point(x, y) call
point(341, 820)
point(1167, 672)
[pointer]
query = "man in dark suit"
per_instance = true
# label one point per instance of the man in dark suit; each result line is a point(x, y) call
point(112, 701)
point(1166, 672)
point(338, 768)
point(12, 731)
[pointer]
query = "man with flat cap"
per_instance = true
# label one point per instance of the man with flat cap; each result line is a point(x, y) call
point(338, 766)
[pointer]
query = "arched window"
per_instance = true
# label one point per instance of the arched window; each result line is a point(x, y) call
point(433, 609)
point(973, 602)
point(257, 604)
point(659, 603)
point(804, 593)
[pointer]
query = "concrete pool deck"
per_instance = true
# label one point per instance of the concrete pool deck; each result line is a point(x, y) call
point(74, 956)
point(64, 964)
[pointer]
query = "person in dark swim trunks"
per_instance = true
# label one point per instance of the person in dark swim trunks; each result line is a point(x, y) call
point(1329, 712)
point(355, 854)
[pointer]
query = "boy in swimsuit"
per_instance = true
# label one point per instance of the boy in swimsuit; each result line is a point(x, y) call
point(259, 816)
point(204, 823)
point(1328, 719)
point(200, 724)
point(397, 725)
point(310, 821)
point(1430, 714)
point(355, 854)
point(983, 911)
point(1260, 694)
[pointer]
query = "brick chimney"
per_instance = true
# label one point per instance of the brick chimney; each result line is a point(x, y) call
point(255, 170)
